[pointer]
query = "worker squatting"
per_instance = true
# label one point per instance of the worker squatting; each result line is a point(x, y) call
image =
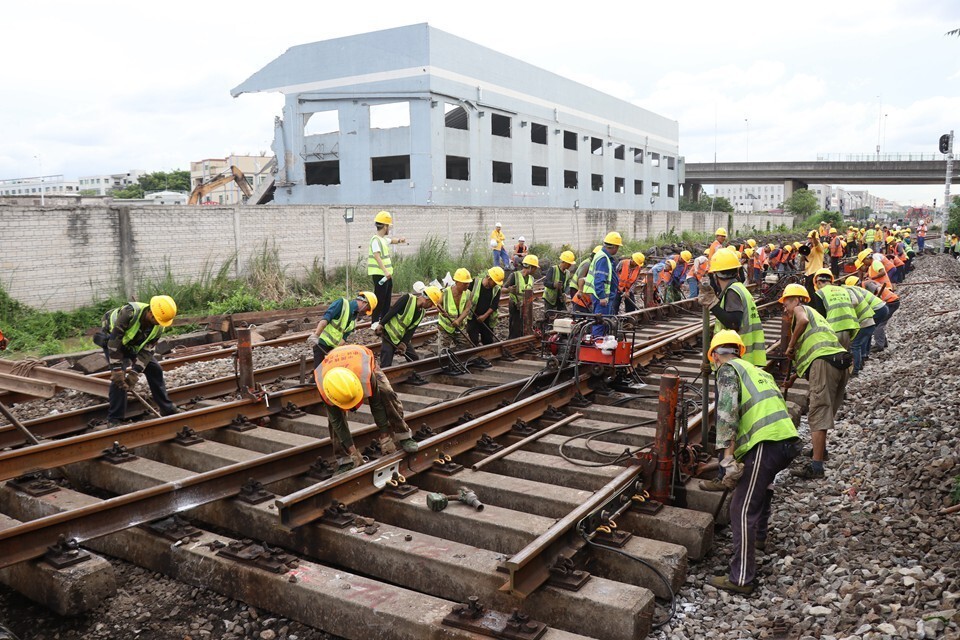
point(835, 324)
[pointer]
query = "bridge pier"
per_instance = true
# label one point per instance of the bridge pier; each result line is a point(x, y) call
point(789, 186)
point(692, 190)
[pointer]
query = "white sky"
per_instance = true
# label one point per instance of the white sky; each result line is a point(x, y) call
point(103, 86)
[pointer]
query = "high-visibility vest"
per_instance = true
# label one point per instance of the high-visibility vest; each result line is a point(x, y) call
point(522, 283)
point(818, 340)
point(494, 300)
point(627, 274)
point(701, 267)
point(869, 236)
point(840, 311)
point(550, 294)
point(373, 269)
point(836, 247)
point(588, 283)
point(356, 358)
point(398, 325)
point(139, 309)
point(862, 305)
point(339, 327)
point(750, 329)
point(763, 412)
point(448, 304)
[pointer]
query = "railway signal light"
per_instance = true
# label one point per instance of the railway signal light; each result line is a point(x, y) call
point(945, 143)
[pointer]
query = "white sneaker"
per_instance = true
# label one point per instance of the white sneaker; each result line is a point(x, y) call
point(374, 326)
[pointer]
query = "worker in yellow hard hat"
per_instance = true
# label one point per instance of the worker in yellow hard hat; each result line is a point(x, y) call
point(128, 336)
point(454, 310)
point(813, 255)
point(757, 438)
point(721, 240)
point(519, 284)
point(485, 307)
point(732, 305)
point(601, 281)
point(401, 321)
point(819, 357)
point(379, 264)
point(338, 322)
point(559, 277)
point(837, 248)
point(500, 257)
point(580, 302)
point(628, 277)
point(678, 278)
point(346, 377)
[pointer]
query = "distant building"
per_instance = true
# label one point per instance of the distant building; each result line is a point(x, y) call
point(104, 183)
point(414, 115)
point(166, 197)
point(254, 168)
point(34, 186)
point(749, 198)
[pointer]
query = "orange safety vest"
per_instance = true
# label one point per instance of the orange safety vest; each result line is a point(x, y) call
point(922, 232)
point(897, 262)
point(626, 275)
point(713, 248)
point(354, 357)
point(759, 258)
point(887, 295)
point(702, 270)
point(887, 263)
point(521, 249)
point(836, 247)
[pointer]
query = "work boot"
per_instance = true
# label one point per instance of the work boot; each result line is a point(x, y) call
point(807, 471)
point(760, 544)
point(723, 582)
point(387, 446)
point(712, 485)
point(809, 454)
point(409, 445)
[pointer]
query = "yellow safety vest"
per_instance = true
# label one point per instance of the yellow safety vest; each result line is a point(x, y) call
point(763, 412)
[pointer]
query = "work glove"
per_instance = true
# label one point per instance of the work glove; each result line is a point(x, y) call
point(313, 340)
point(732, 471)
point(379, 330)
point(116, 378)
point(708, 298)
point(131, 379)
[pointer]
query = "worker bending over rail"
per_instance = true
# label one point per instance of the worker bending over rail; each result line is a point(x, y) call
point(453, 311)
point(400, 323)
point(485, 307)
point(338, 322)
point(559, 277)
point(735, 308)
point(347, 376)
point(834, 304)
point(129, 335)
point(758, 439)
point(517, 284)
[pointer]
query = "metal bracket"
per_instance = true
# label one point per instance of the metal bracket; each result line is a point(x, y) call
point(372, 450)
point(258, 555)
point(34, 484)
point(336, 515)
point(445, 465)
point(398, 487)
point(174, 529)
point(506, 356)
point(552, 414)
point(253, 492)
point(504, 403)
point(612, 537)
point(464, 419)
point(291, 410)
point(118, 454)
point(384, 474)
point(473, 616)
point(241, 424)
point(486, 444)
point(565, 575)
point(423, 433)
point(65, 553)
point(579, 401)
point(187, 437)
point(521, 428)
point(321, 469)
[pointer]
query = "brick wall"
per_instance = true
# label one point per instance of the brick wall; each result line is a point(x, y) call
point(64, 257)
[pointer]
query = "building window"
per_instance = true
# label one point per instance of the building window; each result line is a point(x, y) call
point(390, 116)
point(596, 181)
point(570, 180)
point(638, 187)
point(320, 123)
point(655, 189)
point(502, 172)
point(619, 185)
point(655, 159)
point(538, 133)
point(500, 125)
point(619, 152)
point(455, 117)
point(538, 176)
point(670, 163)
point(390, 168)
point(596, 146)
point(570, 140)
point(671, 190)
point(638, 156)
point(458, 168)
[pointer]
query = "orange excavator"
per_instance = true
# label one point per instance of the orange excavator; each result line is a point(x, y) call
point(232, 175)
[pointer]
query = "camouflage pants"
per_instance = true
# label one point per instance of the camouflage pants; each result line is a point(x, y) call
point(451, 341)
point(386, 408)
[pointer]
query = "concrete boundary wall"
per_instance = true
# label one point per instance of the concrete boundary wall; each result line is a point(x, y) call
point(61, 258)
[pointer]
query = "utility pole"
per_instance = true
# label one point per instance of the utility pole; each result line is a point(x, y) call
point(946, 191)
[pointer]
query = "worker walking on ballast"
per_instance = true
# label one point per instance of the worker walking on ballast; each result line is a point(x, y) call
point(379, 265)
point(129, 335)
point(348, 376)
point(338, 322)
point(401, 322)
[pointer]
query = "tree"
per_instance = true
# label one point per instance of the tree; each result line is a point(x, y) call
point(953, 221)
point(802, 203)
point(175, 180)
point(129, 192)
point(706, 203)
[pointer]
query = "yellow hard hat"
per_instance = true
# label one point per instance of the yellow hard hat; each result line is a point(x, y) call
point(863, 254)
point(771, 247)
point(568, 257)
point(749, 252)
point(724, 260)
point(795, 290)
point(858, 263)
point(597, 248)
point(496, 274)
point(384, 217)
point(639, 258)
point(434, 294)
point(726, 337)
point(613, 238)
point(796, 245)
point(720, 232)
point(531, 261)
point(686, 256)
point(342, 387)
point(832, 230)
point(821, 273)
point(752, 243)
point(891, 239)
point(462, 275)
point(706, 251)
point(371, 299)
point(671, 265)
point(813, 234)
point(876, 226)
point(863, 229)
point(852, 281)
point(164, 310)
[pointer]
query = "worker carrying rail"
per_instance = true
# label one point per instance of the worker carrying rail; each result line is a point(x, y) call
point(338, 322)
point(735, 307)
point(128, 336)
point(347, 376)
point(758, 439)
point(401, 321)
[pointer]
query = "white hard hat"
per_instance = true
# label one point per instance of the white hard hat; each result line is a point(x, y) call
point(498, 225)
point(521, 239)
point(418, 287)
